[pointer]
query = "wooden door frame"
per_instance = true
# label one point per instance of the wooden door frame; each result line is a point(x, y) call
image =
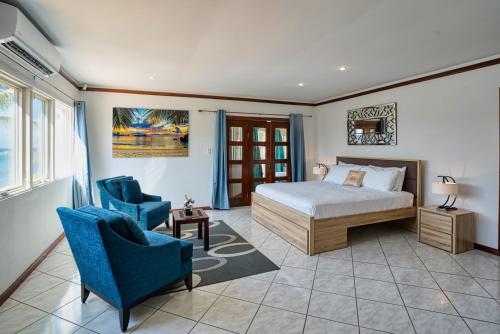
point(247, 179)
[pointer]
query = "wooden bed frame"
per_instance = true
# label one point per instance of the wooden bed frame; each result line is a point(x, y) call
point(314, 236)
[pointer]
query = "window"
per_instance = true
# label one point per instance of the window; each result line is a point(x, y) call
point(39, 139)
point(10, 137)
point(63, 140)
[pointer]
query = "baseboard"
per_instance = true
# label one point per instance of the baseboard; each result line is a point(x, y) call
point(10, 290)
point(487, 249)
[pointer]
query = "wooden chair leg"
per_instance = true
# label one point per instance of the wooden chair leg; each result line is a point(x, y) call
point(167, 224)
point(124, 318)
point(189, 282)
point(85, 293)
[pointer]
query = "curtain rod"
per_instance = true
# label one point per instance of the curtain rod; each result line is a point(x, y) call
point(251, 113)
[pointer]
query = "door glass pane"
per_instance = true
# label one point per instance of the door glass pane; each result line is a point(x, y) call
point(259, 153)
point(37, 138)
point(259, 171)
point(235, 133)
point(235, 171)
point(259, 134)
point(256, 183)
point(280, 169)
point(281, 181)
point(236, 153)
point(279, 152)
point(9, 166)
point(235, 190)
point(280, 135)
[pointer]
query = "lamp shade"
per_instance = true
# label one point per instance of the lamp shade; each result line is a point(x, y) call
point(444, 188)
point(319, 170)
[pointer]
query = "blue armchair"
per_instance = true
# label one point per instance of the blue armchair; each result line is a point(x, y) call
point(121, 263)
point(149, 213)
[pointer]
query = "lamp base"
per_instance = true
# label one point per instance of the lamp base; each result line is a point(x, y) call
point(446, 208)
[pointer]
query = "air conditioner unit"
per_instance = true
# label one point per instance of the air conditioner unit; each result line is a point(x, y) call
point(22, 41)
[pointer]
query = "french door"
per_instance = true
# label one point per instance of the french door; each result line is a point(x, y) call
point(258, 152)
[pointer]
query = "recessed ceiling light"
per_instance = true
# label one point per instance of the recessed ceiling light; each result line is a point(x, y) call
point(301, 84)
point(151, 77)
point(343, 68)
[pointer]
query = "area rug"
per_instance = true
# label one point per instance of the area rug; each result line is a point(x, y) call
point(230, 256)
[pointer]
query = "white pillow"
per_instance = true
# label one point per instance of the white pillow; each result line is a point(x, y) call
point(379, 178)
point(338, 173)
point(398, 182)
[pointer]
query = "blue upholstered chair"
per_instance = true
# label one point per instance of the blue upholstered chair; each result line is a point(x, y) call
point(148, 210)
point(121, 263)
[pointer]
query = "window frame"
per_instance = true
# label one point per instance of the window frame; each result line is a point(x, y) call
point(47, 142)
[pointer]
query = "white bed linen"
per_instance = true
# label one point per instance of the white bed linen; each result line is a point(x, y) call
point(328, 200)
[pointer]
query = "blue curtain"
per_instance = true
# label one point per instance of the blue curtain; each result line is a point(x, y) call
point(220, 198)
point(297, 150)
point(82, 176)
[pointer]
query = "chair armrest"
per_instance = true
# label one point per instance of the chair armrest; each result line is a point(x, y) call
point(151, 198)
point(129, 208)
point(140, 270)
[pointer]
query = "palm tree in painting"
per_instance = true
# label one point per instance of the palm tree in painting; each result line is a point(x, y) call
point(122, 118)
point(170, 116)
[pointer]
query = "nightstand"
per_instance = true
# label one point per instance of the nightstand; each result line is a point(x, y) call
point(452, 231)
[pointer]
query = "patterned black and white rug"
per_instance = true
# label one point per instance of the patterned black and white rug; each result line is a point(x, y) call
point(230, 256)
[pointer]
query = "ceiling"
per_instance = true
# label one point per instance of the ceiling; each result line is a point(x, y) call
point(264, 48)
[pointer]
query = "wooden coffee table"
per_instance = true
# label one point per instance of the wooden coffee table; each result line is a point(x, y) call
point(199, 217)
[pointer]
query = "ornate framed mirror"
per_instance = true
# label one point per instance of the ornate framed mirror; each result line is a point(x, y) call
point(375, 125)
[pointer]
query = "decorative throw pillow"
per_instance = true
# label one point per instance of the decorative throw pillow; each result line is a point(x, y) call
point(338, 173)
point(354, 178)
point(114, 186)
point(131, 191)
point(380, 179)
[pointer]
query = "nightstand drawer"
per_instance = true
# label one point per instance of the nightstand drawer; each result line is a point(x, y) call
point(435, 238)
point(436, 222)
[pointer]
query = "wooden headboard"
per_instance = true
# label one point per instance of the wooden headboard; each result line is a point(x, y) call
point(412, 182)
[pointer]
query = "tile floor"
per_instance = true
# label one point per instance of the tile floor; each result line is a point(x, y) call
point(385, 282)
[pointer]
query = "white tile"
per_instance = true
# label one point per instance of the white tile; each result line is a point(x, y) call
point(342, 285)
point(189, 304)
point(491, 286)
point(426, 299)
point(437, 323)
point(162, 322)
point(296, 258)
point(109, 323)
point(481, 327)
point(322, 326)
point(50, 324)
point(333, 307)
point(9, 303)
point(230, 314)
point(415, 277)
point(34, 286)
point(53, 261)
point(334, 266)
point(56, 297)
point(81, 313)
point(216, 288)
point(373, 271)
point(474, 307)
point(206, 329)
point(272, 320)
point(457, 283)
point(18, 317)
point(295, 276)
point(288, 297)
point(384, 317)
point(247, 289)
point(378, 290)
point(266, 277)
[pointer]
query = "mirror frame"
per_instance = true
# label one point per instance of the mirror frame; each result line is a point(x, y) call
point(387, 111)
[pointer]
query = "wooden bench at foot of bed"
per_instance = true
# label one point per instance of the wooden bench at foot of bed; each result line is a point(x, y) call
point(311, 235)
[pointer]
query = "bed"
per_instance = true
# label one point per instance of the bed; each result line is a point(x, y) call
point(314, 216)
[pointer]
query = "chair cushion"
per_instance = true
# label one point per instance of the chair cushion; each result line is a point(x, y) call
point(120, 223)
point(156, 239)
point(114, 186)
point(153, 210)
point(131, 191)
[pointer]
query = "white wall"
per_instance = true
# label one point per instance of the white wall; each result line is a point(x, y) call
point(173, 177)
point(450, 123)
point(28, 222)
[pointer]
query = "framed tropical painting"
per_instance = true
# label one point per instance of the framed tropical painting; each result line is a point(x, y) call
point(144, 133)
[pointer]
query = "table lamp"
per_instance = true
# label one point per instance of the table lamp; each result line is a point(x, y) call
point(320, 169)
point(446, 186)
